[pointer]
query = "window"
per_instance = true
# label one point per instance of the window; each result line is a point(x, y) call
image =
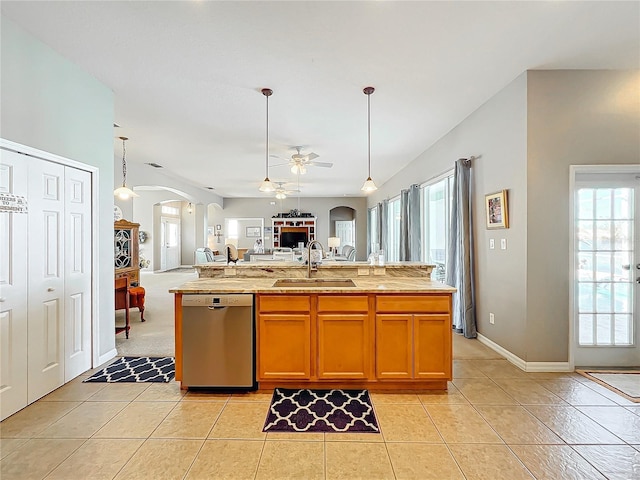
point(436, 198)
point(166, 210)
point(374, 245)
point(393, 230)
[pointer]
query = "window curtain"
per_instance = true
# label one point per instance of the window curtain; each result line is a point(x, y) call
point(460, 251)
point(410, 247)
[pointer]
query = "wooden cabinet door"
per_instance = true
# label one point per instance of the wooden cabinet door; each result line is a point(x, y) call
point(432, 346)
point(284, 346)
point(394, 346)
point(343, 346)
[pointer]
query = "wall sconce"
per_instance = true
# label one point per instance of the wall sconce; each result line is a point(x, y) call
point(189, 208)
point(218, 233)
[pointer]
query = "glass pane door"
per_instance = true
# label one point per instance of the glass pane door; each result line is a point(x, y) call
point(606, 239)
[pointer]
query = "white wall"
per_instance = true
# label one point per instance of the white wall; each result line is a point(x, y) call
point(50, 104)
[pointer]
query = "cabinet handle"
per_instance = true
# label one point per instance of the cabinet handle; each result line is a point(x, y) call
point(50, 289)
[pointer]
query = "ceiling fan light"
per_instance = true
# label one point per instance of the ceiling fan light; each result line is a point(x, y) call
point(124, 192)
point(280, 196)
point(267, 186)
point(298, 169)
point(369, 185)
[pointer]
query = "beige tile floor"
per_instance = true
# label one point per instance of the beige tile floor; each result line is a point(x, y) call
point(495, 422)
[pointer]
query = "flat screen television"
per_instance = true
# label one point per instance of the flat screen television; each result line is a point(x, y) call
point(291, 239)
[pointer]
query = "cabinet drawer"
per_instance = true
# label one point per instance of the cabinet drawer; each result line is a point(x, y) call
point(413, 303)
point(341, 303)
point(284, 303)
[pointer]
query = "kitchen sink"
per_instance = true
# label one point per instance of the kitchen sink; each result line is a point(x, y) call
point(314, 282)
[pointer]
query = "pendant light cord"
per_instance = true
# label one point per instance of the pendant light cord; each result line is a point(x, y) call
point(266, 153)
point(124, 163)
point(369, 130)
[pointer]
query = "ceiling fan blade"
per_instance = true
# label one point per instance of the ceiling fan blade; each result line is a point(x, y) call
point(310, 156)
point(321, 164)
point(279, 164)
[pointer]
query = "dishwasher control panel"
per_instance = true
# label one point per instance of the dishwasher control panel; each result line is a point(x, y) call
point(222, 300)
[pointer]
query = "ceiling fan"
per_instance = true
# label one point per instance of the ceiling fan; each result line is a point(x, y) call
point(281, 192)
point(299, 162)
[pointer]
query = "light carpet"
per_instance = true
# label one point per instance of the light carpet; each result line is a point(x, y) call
point(623, 382)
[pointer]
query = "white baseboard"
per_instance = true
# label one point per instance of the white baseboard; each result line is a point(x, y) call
point(106, 357)
point(521, 364)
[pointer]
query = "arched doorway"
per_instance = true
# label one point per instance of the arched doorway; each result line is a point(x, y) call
point(342, 224)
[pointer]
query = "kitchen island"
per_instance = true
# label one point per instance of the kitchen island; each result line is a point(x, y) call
point(389, 330)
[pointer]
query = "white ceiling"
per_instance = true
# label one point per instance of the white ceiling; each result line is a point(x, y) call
point(187, 75)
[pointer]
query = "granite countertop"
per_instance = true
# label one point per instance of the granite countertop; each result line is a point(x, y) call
point(297, 265)
point(363, 284)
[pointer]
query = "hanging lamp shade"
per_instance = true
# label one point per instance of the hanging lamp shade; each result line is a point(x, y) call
point(267, 185)
point(369, 185)
point(124, 192)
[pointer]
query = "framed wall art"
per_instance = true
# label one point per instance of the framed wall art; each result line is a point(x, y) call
point(253, 232)
point(497, 210)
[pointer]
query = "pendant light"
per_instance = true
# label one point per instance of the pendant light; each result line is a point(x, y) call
point(124, 192)
point(368, 185)
point(266, 185)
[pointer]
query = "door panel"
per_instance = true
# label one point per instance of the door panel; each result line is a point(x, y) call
point(46, 283)
point(13, 288)
point(170, 254)
point(77, 273)
point(606, 240)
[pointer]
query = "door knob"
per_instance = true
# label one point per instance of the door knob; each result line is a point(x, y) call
point(627, 267)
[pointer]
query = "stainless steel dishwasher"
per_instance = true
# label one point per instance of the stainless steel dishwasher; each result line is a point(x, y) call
point(218, 341)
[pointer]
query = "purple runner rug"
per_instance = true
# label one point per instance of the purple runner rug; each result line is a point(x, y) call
point(304, 410)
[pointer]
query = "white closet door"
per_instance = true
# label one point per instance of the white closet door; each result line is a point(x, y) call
point(13, 288)
point(77, 272)
point(46, 281)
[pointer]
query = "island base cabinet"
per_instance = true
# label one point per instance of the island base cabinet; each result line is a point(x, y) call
point(285, 346)
point(394, 346)
point(343, 346)
point(432, 346)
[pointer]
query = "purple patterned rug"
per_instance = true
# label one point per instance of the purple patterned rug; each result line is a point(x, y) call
point(294, 410)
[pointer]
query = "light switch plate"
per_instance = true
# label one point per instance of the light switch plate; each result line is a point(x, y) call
point(492, 243)
point(503, 243)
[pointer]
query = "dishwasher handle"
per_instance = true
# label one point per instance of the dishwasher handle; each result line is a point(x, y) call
point(216, 307)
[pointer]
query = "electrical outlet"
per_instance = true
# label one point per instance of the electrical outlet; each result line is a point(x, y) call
point(492, 243)
point(492, 318)
point(503, 243)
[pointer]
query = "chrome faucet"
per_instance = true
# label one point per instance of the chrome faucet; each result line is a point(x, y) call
point(312, 265)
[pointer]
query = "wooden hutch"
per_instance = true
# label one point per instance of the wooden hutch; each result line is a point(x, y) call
point(126, 251)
